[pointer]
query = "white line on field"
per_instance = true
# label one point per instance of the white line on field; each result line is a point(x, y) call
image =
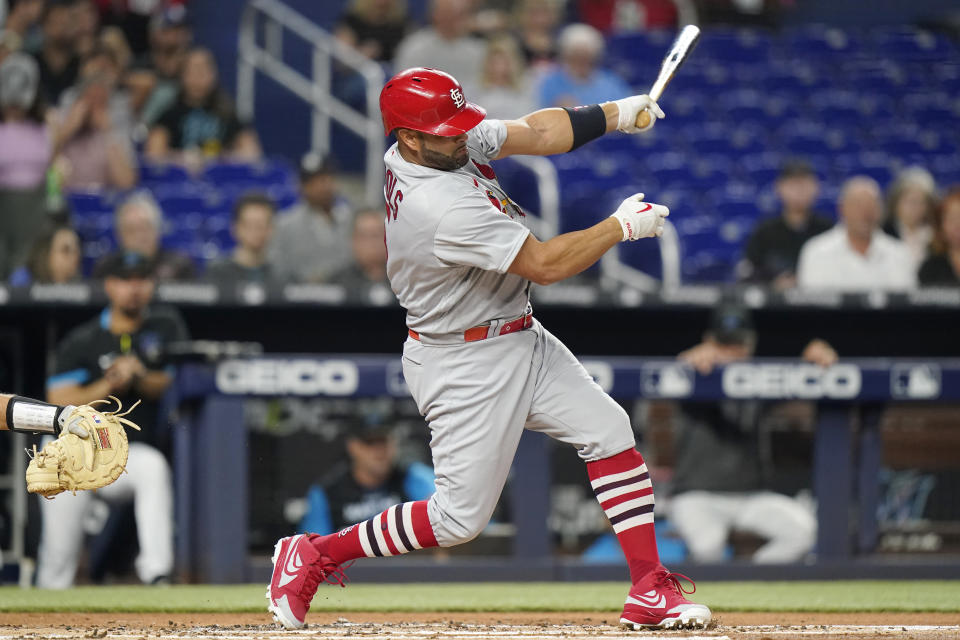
point(353, 636)
point(413, 631)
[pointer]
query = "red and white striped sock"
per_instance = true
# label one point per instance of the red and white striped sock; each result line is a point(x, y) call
point(400, 529)
point(623, 488)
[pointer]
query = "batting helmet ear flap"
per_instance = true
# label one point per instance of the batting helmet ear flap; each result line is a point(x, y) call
point(427, 100)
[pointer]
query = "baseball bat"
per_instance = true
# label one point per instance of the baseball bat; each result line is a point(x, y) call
point(682, 46)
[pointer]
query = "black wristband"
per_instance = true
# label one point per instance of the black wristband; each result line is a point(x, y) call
point(588, 123)
point(52, 427)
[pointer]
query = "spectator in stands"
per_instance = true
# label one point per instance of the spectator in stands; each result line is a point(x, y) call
point(15, 30)
point(86, 19)
point(856, 255)
point(118, 353)
point(252, 229)
point(369, 264)
point(95, 133)
point(135, 19)
point(774, 246)
point(54, 258)
point(720, 481)
point(505, 90)
point(58, 61)
point(618, 16)
point(579, 80)
point(312, 238)
point(375, 28)
point(911, 203)
point(138, 224)
point(446, 44)
point(942, 268)
point(368, 483)
point(26, 150)
point(202, 124)
point(113, 40)
point(155, 80)
point(537, 22)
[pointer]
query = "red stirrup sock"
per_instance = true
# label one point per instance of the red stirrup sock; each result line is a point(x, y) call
point(622, 486)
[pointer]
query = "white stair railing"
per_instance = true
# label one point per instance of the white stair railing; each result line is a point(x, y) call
point(274, 21)
point(612, 268)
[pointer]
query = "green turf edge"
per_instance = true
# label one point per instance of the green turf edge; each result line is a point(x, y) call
point(851, 596)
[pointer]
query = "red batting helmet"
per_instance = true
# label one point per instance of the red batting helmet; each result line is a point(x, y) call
point(427, 100)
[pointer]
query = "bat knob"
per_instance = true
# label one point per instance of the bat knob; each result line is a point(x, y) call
point(643, 119)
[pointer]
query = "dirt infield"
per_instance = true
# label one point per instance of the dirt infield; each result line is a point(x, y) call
point(472, 626)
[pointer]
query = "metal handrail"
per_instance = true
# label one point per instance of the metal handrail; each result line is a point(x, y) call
point(278, 19)
point(613, 268)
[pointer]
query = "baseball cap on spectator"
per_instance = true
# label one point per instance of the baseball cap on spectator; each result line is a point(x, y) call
point(171, 17)
point(370, 425)
point(796, 168)
point(127, 265)
point(315, 164)
point(19, 79)
point(732, 324)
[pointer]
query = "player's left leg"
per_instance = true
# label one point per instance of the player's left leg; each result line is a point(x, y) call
point(476, 398)
point(569, 406)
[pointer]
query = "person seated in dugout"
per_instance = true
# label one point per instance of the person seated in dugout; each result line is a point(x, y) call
point(367, 482)
point(118, 353)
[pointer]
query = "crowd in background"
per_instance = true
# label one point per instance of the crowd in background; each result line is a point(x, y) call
point(90, 90)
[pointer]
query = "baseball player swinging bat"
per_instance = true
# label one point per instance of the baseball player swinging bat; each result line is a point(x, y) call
point(681, 48)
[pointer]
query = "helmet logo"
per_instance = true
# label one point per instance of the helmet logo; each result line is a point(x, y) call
point(457, 96)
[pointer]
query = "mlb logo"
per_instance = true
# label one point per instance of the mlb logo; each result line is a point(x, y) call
point(915, 381)
point(96, 418)
point(673, 380)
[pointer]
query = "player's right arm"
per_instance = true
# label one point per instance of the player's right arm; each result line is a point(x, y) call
point(551, 131)
point(570, 253)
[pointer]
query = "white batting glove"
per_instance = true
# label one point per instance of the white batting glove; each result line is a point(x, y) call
point(640, 219)
point(631, 107)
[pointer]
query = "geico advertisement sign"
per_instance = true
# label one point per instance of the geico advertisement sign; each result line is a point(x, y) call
point(747, 380)
point(288, 377)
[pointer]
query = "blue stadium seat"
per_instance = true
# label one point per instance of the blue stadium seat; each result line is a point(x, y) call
point(735, 45)
point(180, 204)
point(260, 174)
point(154, 174)
point(822, 42)
point(908, 43)
point(82, 202)
point(519, 182)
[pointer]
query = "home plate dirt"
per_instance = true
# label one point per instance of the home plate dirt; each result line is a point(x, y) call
point(473, 626)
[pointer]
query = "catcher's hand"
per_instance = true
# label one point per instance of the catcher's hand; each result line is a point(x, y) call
point(74, 462)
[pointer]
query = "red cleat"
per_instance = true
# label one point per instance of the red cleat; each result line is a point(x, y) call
point(298, 569)
point(657, 602)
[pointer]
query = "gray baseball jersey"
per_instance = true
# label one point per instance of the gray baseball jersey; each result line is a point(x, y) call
point(451, 236)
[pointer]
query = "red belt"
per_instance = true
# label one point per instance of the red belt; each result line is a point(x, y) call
point(483, 332)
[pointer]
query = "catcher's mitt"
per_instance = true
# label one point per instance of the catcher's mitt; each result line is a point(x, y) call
point(72, 463)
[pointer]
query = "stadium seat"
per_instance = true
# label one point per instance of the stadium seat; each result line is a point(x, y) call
point(153, 174)
point(735, 45)
point(908, 43)
point(83, 202)
point(823, 42)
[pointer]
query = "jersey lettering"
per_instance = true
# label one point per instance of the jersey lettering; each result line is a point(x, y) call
point(391, 195)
